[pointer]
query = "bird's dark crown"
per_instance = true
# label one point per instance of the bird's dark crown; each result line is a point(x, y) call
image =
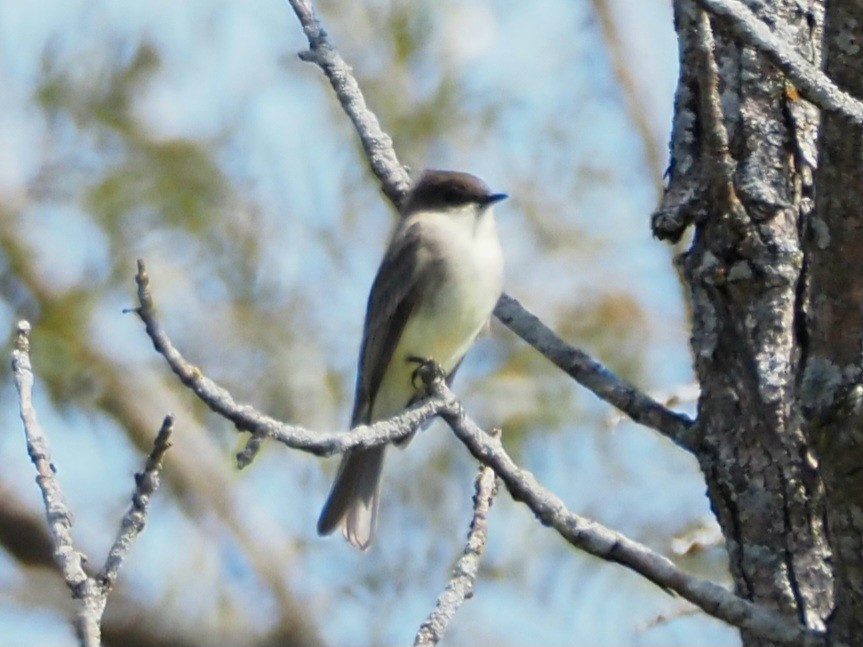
point(443, 189)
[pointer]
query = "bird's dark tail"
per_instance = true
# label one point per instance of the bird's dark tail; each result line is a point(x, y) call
point(353, 501)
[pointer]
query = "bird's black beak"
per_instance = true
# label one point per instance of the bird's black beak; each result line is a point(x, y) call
point(491, 198)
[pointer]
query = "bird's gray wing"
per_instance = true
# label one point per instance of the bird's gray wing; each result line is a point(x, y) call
point(353, 500)
point(392, 299)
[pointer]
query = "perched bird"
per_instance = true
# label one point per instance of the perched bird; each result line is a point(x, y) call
point(435, 290)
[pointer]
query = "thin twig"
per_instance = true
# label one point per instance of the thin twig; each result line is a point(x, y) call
point(812, 83)
point(146, 484)
point(378, 146)
point(192, 471)
point(460, 586)
point(593, 375)
point(59, 516)
point(394, 180)
point(246, 418)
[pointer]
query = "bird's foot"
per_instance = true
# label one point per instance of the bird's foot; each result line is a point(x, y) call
point(427, 374)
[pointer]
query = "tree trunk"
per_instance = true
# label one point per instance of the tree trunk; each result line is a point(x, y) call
point(832, 394)
point(753, 331)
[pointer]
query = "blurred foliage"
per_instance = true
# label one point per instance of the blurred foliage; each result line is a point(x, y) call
point(611, 326)
point(547, 402)
point(178, 179)
point(101, 99)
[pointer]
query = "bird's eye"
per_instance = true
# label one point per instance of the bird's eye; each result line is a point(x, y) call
point(451, 196)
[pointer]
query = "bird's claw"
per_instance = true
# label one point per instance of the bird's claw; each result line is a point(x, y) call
point(427, 374)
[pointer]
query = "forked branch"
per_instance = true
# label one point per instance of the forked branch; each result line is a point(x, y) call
point(90, 592)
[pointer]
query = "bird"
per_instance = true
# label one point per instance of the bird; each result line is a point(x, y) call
point(435, 290)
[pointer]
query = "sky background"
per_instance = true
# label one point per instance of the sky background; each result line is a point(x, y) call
point(190, 134)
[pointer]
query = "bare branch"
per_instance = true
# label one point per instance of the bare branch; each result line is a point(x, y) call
point(812, 83)
point(246, 418)
point(59, 516)
point(460, 586)
point(377, 144)
point(146, 484)
point(596, 539)
point(591, 374)
point(91, 593)
point(70, 561)
point(201, 472)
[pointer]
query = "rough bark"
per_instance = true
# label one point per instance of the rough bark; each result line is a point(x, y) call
point(832, 391)
point(745, 272)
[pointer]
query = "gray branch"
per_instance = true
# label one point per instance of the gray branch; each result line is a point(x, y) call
point(594, 376)
point(70, 561)
point(146, 484)
point(394, 180)
point(90, 592)
point(602, 542)
point(812, 82)
point(378, 146)
point(460, 586)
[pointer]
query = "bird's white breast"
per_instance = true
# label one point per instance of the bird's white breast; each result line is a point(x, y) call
point(448, 318)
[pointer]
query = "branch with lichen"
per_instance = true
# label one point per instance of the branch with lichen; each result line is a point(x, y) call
point(460, 586)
